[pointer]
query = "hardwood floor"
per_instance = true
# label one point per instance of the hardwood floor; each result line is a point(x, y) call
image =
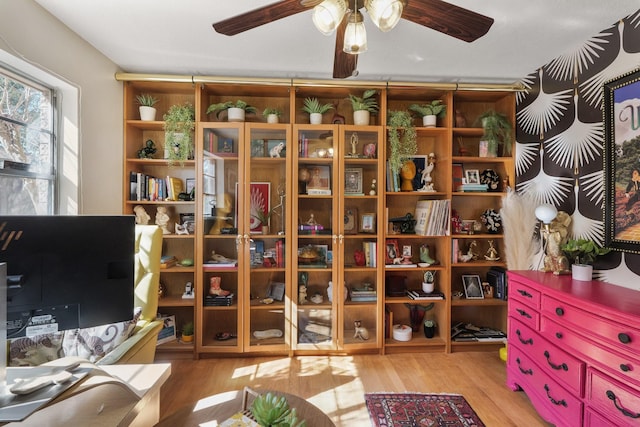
point(336, 384)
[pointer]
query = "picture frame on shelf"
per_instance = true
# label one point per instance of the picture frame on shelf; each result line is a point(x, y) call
point(276, 291)
point(391, 251)
point(368, 223)
point(320, 181)
point(472, 286)
point(472, 176)
point(351, 220)
point(257, 148)
point(190, 185)
point(225, 145)
point(353, 181)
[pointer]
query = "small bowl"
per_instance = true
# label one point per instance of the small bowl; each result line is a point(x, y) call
point(402, 332)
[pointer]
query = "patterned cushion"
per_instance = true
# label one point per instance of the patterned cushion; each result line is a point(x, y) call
point(36, 350)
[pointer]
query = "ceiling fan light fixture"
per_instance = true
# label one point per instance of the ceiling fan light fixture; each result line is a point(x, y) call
point(355, 35)
point(328, 15)
point(385, 14)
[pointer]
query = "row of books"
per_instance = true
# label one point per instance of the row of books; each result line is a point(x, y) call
point(146, 187)
point(168, 261)
point(432, 217)
point(267, 257)
point(473, 188)
point(497, 278)
point(370, 250)
point(393, 179)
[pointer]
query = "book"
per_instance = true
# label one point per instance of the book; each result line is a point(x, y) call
point(167, 261)
point(419, 294)
point(401, 265)
point(175, 186)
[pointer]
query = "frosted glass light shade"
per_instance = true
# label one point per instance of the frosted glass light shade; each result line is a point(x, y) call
point(384, 13)
point(546, 213)
point(328, 15)
point(355, 35)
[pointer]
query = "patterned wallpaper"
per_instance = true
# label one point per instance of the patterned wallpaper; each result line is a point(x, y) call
point(560, 137)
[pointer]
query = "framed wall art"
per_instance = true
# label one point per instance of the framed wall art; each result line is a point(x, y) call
point(622, 162)
point(472, 286)
point(368, 223)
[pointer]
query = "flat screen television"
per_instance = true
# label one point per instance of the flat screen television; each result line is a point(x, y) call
point(67, 272)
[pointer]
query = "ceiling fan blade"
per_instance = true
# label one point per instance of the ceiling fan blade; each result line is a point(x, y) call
point(344, 64)
point(257, 17)
point(447, 18)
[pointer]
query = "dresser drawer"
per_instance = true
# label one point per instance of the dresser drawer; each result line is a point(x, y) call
point(618, 334)
point(594, 419)
point(551, 400)
point(617, 402)
point(525, 294)
point(622, 365)
point(525, 314)
point(554, 361)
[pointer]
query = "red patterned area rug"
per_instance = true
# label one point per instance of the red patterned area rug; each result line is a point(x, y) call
point(420, 409)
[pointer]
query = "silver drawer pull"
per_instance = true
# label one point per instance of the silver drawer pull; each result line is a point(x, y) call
point(562, 366)
point(612, 396)
point(552, 400)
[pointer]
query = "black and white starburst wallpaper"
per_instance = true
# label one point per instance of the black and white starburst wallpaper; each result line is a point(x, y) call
point(560, 137)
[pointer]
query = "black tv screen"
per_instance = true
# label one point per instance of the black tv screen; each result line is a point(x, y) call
point(67, 272)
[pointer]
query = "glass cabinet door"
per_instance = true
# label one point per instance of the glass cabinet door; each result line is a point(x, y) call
point(315, 194)
point(266, 233)
point(221, 264)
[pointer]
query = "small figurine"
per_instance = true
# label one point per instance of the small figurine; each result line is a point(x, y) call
point(188, 291)
point(215, 287)
point(162, 219)
point(148, 150)
point(369, 151)
point(317, 298)
point(492, 252)
point(142, 217)
point(354, 144)
point(275, 151)
point(181, 229)
point(372, 192)
point(302, 294)
point(427, 180)
point(312, 220)
point(425, 257)
point(361, 332)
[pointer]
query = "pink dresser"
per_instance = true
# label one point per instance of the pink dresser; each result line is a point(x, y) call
point(574, 348)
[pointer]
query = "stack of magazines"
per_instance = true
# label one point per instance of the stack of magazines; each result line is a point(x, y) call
point(218, 300)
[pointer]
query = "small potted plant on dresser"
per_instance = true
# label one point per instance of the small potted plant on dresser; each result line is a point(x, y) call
point(236, 111)
point(429, 112)
point(315, 110)
point(582, 253)
point(146, 108)
point(272, 114)
point(363, 107)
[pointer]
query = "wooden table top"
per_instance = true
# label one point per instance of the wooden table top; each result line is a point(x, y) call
point(222, 406)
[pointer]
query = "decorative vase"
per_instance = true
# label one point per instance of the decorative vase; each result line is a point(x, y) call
point(429, 331)
point(235, 114)
point(315, 118)
point(582, 272)
point(361, 118)
point(272, 118)
point(407, 173)
point(429, 121)
point(147, 114)
point(416, 314)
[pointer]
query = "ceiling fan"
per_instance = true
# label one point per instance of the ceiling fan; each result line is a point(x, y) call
point(439, 15)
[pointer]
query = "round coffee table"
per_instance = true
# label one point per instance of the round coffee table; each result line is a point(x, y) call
point(222, 406)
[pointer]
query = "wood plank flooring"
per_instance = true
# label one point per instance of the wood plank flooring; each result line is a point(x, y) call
point(336, 384)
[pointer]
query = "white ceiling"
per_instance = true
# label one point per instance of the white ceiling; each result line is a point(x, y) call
point(176, 37)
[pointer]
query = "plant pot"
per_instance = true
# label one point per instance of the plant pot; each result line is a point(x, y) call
point(428, 287)
point(582, 272)
point(187, 338)
point(235, 114)
point(429, 331)
point(265, 229)
point(315, 118)
point(273, 118)
point(147, 114)
point(429, 121)
point(361, 118)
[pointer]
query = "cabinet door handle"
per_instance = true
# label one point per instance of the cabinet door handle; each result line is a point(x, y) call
point(562, 366)
point(625, 368)
point(523, 313)
point(524, 371)
point(624, 338)
point(552, 400)
point(529, 341)
point(559, 311)
point(525, 293)
point(612, 396)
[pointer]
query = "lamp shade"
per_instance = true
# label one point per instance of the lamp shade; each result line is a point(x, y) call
point(546, 213)
point(384, 13)
point(328, 15)
point(355, 35)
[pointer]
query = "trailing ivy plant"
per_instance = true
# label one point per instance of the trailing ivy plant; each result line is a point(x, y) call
point(179, 124)
point(402, 138)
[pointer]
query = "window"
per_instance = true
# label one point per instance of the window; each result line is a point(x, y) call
point(27, 146)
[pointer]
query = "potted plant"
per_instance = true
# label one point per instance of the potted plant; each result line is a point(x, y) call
point(146, 108)
point(179, 123)
point(264, 218)
point(582, 253)
point(236, 111)
point(497, 131)
point(272, 114)
point(429, 112)
point(187, 332)
point(402, 139)
point(315, 109)
point(272, 410)
point(429, 328)
point(363, 107)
